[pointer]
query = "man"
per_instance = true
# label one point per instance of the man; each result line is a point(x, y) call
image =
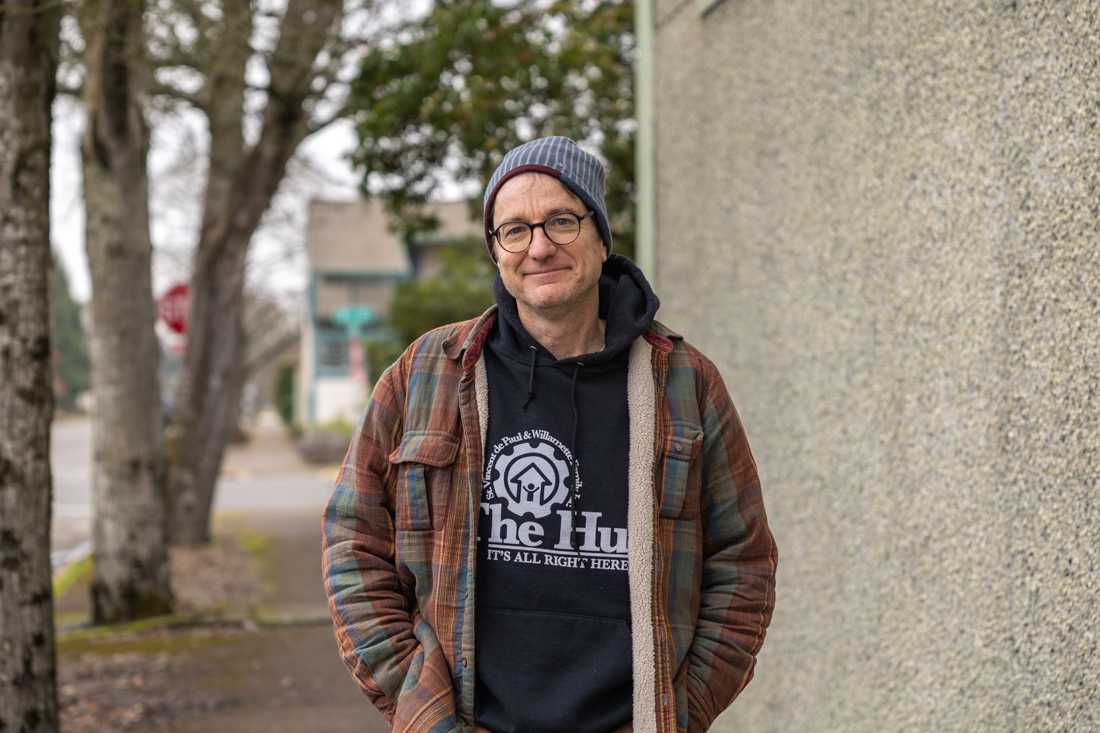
point(549, 518)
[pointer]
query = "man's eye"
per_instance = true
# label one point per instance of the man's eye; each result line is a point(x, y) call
point(515, 230)
point(561, 221)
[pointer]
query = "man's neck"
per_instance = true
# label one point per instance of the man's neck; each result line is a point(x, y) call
point(565, 334)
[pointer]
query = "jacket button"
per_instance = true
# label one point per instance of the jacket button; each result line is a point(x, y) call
point(678, 448)
point(464, 664)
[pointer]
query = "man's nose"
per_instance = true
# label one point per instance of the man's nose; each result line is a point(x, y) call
point(541, 247)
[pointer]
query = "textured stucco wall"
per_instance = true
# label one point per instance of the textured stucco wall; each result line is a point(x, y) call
point(882, 221)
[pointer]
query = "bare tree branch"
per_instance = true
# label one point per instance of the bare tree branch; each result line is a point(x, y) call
point(70, 90)
point(163, 89)
point(319, 124)
point(178, 59)
point(266, 354)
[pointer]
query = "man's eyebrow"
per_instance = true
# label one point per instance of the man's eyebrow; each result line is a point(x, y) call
point(551, 212)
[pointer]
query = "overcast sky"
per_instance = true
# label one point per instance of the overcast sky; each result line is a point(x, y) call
point(277, 256)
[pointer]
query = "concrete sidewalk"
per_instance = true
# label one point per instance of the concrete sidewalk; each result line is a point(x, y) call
point(251, 646)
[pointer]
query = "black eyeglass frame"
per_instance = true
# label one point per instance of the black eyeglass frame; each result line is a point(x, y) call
point(531, 226)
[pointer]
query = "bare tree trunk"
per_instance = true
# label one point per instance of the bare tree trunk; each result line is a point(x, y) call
point(28, 64)
point(210, 391)
point(130, 533)
point(242, 181)
point(209, 379)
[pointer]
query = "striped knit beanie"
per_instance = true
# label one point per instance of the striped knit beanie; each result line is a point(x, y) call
point(580, 172)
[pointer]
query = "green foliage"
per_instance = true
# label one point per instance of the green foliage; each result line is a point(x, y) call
point(380, 354)
point(461, 290)
point(76, 572)
point(458, 88)
point(325, 443)
point(69, 341)
point(285, 381)
point(338, 426)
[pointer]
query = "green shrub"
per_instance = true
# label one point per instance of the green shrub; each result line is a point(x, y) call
point(326, 443)
point(285, 382)
point(461, 290)
point(340, 426)
point(380, 354)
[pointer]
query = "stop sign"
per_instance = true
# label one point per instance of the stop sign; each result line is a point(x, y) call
point(173, 307)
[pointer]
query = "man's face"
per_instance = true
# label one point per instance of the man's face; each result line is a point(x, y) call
point(547, 276)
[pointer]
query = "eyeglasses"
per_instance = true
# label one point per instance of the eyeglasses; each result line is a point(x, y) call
point(562, 228)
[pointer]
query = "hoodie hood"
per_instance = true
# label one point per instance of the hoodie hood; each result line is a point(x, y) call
point(627, 305)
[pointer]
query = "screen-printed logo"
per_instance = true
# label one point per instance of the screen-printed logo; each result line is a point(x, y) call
point(532, 475)
point(530, 484)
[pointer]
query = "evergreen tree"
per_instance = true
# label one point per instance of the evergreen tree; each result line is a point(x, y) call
point(471, 79)
point(69, 340)
point(459, 291)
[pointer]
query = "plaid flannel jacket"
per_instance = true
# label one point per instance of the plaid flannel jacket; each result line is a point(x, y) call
point(399, 536)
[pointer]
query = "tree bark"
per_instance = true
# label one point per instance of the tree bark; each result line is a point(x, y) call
point(130, 532)
point(28, 64)
point(241, 183)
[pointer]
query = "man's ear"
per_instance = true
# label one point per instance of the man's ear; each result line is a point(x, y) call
point(492, 251)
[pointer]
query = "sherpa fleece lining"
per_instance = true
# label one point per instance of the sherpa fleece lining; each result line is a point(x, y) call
point(641, 398)
point(481, 389)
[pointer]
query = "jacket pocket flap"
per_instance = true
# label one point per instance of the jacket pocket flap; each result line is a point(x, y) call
point(680, 466)
point(681, 447)
point(432, 448)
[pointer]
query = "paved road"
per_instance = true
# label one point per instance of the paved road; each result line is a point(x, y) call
point(257, 477)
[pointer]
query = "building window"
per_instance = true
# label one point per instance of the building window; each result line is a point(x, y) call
point(332, 352)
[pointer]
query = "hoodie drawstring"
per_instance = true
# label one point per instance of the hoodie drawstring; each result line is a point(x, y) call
point(573, 448)
point(573, 441)
point(530, 378)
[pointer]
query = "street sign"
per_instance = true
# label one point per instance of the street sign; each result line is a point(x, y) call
point(173, 307)
point(354, 317)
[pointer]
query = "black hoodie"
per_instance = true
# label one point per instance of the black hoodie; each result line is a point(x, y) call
point(553, 604)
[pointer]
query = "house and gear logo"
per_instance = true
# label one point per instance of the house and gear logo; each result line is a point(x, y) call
point(532, 471)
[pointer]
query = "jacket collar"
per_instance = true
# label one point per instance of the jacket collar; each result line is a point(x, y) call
point(468, 337)
point(661, 337)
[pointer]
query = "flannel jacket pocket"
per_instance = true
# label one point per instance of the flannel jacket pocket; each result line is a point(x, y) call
point(681, 472)
point(423, 463)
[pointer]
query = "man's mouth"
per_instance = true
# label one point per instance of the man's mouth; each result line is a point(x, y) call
point(544, 272)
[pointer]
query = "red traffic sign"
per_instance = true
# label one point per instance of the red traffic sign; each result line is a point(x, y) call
point(173, 307)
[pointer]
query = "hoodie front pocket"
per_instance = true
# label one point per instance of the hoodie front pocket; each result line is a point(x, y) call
point(423, 463)
point(544, 672)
